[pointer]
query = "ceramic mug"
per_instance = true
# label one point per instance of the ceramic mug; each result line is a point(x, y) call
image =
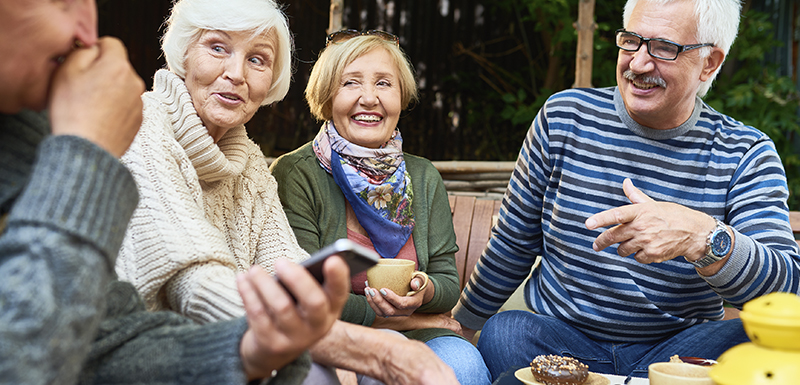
point(678, 373)
point(395, 275)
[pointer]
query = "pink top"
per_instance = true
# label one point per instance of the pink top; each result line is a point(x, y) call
point(408, 251)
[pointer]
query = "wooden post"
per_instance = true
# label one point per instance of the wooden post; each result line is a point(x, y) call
point(335, 22)
point(583, 59)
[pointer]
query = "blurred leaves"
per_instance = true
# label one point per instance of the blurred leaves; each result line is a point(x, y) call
point(534, 57)
point(529, 59)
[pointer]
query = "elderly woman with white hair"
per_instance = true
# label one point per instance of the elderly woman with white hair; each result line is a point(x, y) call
point(209, 207)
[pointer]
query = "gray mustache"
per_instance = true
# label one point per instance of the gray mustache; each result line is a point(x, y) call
point(629, 75)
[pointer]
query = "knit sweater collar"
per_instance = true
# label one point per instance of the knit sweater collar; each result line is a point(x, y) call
point(212, 161)
point(651, 133)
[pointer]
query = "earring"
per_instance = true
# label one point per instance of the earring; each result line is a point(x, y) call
point(78, 44)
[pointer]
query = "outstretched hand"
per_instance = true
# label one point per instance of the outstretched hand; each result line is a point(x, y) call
point(651, 231)
point(280, 328)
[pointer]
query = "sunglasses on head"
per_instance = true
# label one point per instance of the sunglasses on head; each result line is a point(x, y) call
point(347, 34)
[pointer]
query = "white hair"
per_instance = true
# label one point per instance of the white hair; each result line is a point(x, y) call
point(717, 23)
point(189, 18)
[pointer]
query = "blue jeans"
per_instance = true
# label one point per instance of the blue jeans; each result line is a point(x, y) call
point(321, 375)
point(512, 339)
point(463, 357)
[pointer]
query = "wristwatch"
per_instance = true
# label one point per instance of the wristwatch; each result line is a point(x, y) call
point(718, 245)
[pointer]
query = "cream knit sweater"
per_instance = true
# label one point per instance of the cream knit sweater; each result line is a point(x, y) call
point(207, 211)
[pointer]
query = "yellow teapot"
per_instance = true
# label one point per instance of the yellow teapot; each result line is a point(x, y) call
point(773, 357)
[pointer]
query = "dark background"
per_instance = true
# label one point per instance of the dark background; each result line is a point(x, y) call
point(457, 48)
point(483, 66)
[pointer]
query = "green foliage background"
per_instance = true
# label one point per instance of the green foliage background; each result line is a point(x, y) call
point(523, 69)
point(750, 90)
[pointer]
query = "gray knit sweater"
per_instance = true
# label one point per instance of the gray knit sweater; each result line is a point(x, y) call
point(63, 316)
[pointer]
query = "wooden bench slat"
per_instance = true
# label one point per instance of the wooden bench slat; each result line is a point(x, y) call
point(794, 221)
point(462, 224)
point(479, 235)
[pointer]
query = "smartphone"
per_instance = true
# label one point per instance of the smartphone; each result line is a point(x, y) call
point(358, 258)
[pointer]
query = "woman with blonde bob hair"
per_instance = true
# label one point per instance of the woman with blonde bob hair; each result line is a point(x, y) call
point(327, 74)
point(354, 181)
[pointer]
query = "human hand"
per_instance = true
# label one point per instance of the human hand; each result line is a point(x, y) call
point(652, 231)
point(386, 303)
point(468, 333)
point(280, 328)
point(387, 356)
point(418, 321)
point(96, 94)
point(412, 362)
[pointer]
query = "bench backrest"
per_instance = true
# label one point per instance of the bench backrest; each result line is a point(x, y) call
point(473, 219)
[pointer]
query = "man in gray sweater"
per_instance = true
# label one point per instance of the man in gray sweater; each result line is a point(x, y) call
point(65, 201)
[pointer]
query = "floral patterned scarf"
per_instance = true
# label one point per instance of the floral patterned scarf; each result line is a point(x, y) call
point(376, 184)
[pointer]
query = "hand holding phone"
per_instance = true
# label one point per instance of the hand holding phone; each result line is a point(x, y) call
point(358, 257)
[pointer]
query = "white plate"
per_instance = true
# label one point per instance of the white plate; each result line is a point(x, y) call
point(525, 375)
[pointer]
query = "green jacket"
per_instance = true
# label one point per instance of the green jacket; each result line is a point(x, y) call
point(315, 207)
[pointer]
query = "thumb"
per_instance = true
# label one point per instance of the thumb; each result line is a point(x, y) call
point(337, 281)
point(634, 194)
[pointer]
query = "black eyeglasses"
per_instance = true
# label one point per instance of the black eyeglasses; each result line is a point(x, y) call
point(347, 34)
point(657, 48)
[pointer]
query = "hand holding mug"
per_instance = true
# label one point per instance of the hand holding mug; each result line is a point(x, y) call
point(396, 275)
point(389, 288)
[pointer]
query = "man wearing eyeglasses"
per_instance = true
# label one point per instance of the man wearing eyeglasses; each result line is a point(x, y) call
point(648, 209)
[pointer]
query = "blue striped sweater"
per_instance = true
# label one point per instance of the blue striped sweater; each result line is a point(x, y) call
point(579, 149)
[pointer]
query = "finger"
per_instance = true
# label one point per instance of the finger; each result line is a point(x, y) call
point(616, 234)
point(626, 249)
point(372, 304)
point(337, 282)
point(416, 283)
point(111, 52)
point(393, 299)
point(608, 217)
point(80, 59)
point(617, 215)
point(252, 301)
point(274, 296)
point(302, 286)
point(641, 257)
point(110, 45)
point(380, 302)
point(634, 194)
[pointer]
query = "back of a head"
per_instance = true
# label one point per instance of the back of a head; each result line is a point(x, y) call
point(190, 17)
point(717, 23)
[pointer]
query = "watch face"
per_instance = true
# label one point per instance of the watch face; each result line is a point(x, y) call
point(721, 243)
